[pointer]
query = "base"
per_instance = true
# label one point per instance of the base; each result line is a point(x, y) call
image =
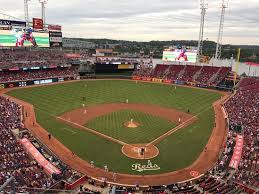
point(134, 151)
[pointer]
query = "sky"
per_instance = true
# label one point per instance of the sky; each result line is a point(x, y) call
point(143, 20)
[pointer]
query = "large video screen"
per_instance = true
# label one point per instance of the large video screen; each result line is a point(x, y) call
point(180, 55)
point(23, 38)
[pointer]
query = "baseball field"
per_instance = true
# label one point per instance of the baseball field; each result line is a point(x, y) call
point(92, 119)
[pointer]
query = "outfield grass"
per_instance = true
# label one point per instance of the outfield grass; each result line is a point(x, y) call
point(176, 151)
point(112, 125)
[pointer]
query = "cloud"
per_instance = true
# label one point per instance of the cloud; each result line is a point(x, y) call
point(145, 20)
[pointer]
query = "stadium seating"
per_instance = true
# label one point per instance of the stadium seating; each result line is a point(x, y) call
point(243, 112)
point(174, 71)
point(159, 71)
point(189, 72)
point(23, 58)
point(224, 71)
point(14, 161)
point(206, 74)
point(144, 72)
point(26, 64)
point(211, 184)
point(11, 76)
point(202, 75)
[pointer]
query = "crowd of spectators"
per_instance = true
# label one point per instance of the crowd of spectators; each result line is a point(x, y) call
point(210, 184)
point(26, 64)
point(205, 184)
point(160, 71)
point(115, 60)
point(243, 113)
point(25, 58)
point(14, 161)
point(174, 72)
point(223, 72)
point(12, 76)
point(189, 72)
point(202, 75)
point(144, 71)
point(180, 188)
point(28, 175)
point(206, 74)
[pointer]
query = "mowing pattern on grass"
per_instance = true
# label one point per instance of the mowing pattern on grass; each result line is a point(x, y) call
point(112, 125)
point(176, 151)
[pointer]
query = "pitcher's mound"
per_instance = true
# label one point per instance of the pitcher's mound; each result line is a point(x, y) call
point(131, 124)
point(140, 151)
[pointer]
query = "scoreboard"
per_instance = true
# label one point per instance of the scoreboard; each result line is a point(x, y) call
point(110, 67)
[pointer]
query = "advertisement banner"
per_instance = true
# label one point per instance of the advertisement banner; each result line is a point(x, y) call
point(136, 78)
point(55, 39)
point(42, 161)
point(236, 157)
point(157, 80)
point(54, 28)
point(23, 38)
point(45, 81)
point(5, 23)
point(191, 83)
point(180, 55)
point(55, 36)
point(55, 44)
point(167, 81)
point(124, 66)
point(72, 55)
point(37, 23)
point(252, 64)
point(33, 82)
point(146, 78)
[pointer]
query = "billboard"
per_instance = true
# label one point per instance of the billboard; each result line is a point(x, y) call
point(72, 56)
point(37, 24)
point(126, 66)
point(180, 55)
point(55, 39)
point(237, 154)
point(54, 28)
point(23, 38)
point(9, 24)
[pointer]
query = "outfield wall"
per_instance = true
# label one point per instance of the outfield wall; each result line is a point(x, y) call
point(37, 82)
point(108, 76)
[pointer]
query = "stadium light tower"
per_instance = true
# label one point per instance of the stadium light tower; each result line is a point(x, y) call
point(43, 3)
point(26, 11)
point(203, 7)
point(224, 5)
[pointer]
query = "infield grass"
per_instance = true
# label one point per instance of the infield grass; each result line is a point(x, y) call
point(177, 151)
point(112, 125)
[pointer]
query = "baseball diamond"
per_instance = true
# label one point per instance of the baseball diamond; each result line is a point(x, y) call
point(98, 134)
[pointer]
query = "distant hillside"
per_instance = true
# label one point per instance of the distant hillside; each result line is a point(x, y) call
point(248, 52)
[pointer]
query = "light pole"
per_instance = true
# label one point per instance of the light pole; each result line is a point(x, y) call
point(224, 5)
point(26, 12)
point(43, 16)
point(203, 7)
